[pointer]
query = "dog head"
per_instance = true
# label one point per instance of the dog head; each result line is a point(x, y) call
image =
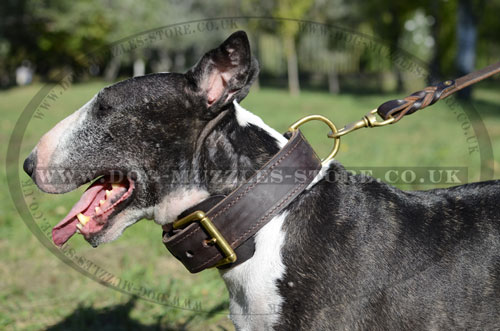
point(136, 140)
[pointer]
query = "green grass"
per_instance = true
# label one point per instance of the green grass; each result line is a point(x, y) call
point(38, 291)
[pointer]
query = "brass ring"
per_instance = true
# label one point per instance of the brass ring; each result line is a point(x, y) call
point(325, 120)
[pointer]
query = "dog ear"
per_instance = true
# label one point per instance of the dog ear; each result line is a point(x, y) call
point(225, 73)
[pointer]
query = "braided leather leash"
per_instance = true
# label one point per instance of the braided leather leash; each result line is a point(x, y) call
point(393, 110)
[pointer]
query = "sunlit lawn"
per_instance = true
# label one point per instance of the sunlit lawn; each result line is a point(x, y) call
point(38, 291)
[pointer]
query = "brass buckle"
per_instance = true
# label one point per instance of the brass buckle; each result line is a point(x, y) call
point(332, 127)
point(368, 121)
point(216, 236)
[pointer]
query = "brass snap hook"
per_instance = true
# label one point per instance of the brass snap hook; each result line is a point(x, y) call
point(332, 127)
point(368, 121)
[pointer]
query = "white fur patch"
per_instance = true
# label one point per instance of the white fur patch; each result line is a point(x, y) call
point(53, 146)
point(244, 118)
point(176, 202)
point(59, 135)
point(320, 175)
point(255, 303)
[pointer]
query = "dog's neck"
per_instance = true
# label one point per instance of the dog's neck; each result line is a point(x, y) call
point(237, 147)
point(245, 143)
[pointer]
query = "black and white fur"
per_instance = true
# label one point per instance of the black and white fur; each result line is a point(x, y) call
point(348, 254)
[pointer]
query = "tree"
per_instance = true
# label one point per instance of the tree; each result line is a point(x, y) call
point(387, 18)
point(289, 31)
point(466, 40)
point(330, 54)
point(443, 32)
point(54, 35)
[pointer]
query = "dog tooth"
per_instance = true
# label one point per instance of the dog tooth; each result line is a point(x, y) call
point(97, 210)
point(82, 218)
point(113, 186)
point(101, 202)
point(79, 227)
point(108, 193)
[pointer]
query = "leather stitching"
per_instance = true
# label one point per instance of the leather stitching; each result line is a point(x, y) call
point(235, 200)
point(198, 228)
point(263, 218)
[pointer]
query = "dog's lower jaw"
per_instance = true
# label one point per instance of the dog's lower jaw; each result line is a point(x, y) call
point(253, 290)
point(121, 221)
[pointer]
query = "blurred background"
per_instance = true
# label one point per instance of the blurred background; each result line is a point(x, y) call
point(41, 38)
point(338, 58)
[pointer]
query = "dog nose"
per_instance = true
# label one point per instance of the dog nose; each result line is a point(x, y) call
point(29, 164)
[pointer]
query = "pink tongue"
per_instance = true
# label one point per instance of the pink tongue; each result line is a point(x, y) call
point(67, 227)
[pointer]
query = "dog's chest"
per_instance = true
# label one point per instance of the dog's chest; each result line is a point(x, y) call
point(255, 301)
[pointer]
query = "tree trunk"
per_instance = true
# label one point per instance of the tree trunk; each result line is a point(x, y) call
point(400, 86)
point(394, 39)
point(164, 63)
point(112, 69)
point(466, 38)
point(139, 67)
point(435, 66)
point(292, 65)
point(180, 61)
point(333, 82)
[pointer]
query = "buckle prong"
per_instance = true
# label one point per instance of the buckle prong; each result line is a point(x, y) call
point(215, 236)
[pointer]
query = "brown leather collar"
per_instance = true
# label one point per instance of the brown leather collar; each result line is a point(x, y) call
point(247, 209)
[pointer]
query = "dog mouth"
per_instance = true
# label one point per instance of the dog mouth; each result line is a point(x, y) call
point(90, 215)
